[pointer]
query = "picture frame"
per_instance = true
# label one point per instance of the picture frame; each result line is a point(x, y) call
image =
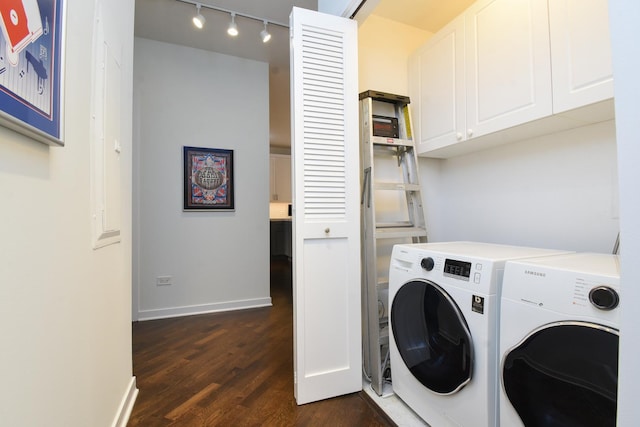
point(32, 68)
point(208, 179)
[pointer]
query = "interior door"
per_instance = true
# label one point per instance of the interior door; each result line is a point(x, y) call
point(326, 230)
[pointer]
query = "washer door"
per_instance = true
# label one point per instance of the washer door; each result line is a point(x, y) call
point(564, 374)
point(432, 336)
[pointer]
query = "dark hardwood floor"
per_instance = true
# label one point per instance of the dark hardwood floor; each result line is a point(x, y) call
point(232, 369)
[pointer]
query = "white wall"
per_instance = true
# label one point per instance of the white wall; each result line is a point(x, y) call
point(624, 16)
point(383, 49)
point(217, 260)
point(558, 191)
point(65, 321)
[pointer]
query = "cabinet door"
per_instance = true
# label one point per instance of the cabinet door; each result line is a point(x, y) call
point(273, 192)
point(283, 178)
point(580, 53)
point(280, 183)
point(440, 95)
point(508, 64)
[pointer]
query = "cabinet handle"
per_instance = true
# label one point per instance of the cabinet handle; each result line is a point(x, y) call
point(469, 132)
point(327, 230)
point(459, 136)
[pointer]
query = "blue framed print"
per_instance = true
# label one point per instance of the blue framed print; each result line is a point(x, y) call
point(32, 68)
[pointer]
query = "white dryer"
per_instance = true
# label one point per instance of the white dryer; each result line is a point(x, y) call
point(443, 328)
point(559, 341)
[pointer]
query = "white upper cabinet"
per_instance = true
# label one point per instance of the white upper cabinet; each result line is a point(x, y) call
point(437, 73)
point(507, 64)
point(280, 177)
point(580, 53)
point(507, 70)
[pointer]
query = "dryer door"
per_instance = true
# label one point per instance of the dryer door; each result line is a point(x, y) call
point(432, 336)
point(564, 374)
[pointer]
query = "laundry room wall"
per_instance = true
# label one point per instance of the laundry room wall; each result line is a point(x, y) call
point(383, 49)
point(558, 191)
point(215, 260)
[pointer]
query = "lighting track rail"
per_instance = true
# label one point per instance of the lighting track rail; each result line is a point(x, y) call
point(199, 5)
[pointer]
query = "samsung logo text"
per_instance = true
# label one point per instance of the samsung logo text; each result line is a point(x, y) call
point(535, 273)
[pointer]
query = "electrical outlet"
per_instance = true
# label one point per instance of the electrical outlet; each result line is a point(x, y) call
point(163, 281)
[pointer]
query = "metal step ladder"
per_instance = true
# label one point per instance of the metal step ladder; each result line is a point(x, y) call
point(391, 213)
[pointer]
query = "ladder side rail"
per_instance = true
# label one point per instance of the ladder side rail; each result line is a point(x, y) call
point(410, 172)
point(370, 255)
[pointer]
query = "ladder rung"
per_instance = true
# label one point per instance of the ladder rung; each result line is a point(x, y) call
point(400, 232)
point(381, 140)
point(395, 224)
point(384, 336)
point(396, 186)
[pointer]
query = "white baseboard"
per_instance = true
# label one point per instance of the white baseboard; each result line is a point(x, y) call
point(126, 406)
point(190, 310)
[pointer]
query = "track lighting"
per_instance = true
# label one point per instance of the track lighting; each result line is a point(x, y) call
point(233, 28)
point(199, 20)
point(264, 34)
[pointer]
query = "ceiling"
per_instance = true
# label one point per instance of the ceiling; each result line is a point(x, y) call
point(170, 21)
point(428, 15)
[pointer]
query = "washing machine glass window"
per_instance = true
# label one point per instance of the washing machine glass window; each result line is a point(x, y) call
point(432, 336)
point(564, 374)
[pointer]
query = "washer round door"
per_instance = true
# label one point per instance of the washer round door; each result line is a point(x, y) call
point(564, 374)
point(432, 336)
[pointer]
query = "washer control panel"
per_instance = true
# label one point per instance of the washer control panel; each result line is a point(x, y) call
point(457, 269)
point(453, 268)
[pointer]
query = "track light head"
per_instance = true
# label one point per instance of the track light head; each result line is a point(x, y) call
point(264, 34)
point(198, 20)
point(233, 28)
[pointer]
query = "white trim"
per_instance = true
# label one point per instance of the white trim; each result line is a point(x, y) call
point(126, 406)
point(189, 310)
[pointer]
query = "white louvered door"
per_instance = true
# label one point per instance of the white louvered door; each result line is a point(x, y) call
point(326, 208)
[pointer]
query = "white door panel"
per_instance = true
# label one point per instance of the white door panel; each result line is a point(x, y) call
point(326, 230)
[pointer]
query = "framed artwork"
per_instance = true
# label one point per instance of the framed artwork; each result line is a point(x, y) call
point(208, 179)
point(32, 68)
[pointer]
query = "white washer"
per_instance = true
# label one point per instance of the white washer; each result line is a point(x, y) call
point(559, 341)
point(443, 328)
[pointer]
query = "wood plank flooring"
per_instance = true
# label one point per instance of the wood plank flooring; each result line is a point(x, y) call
point(232, 369)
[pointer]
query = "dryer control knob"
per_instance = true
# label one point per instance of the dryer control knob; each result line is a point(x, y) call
point(604, 298)
point(427, 263)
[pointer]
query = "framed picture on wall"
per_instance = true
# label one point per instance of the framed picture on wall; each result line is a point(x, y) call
point(208, 179)
point(32, 68)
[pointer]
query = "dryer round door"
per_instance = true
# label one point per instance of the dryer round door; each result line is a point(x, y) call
point(564, 374)
point(432, 336)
